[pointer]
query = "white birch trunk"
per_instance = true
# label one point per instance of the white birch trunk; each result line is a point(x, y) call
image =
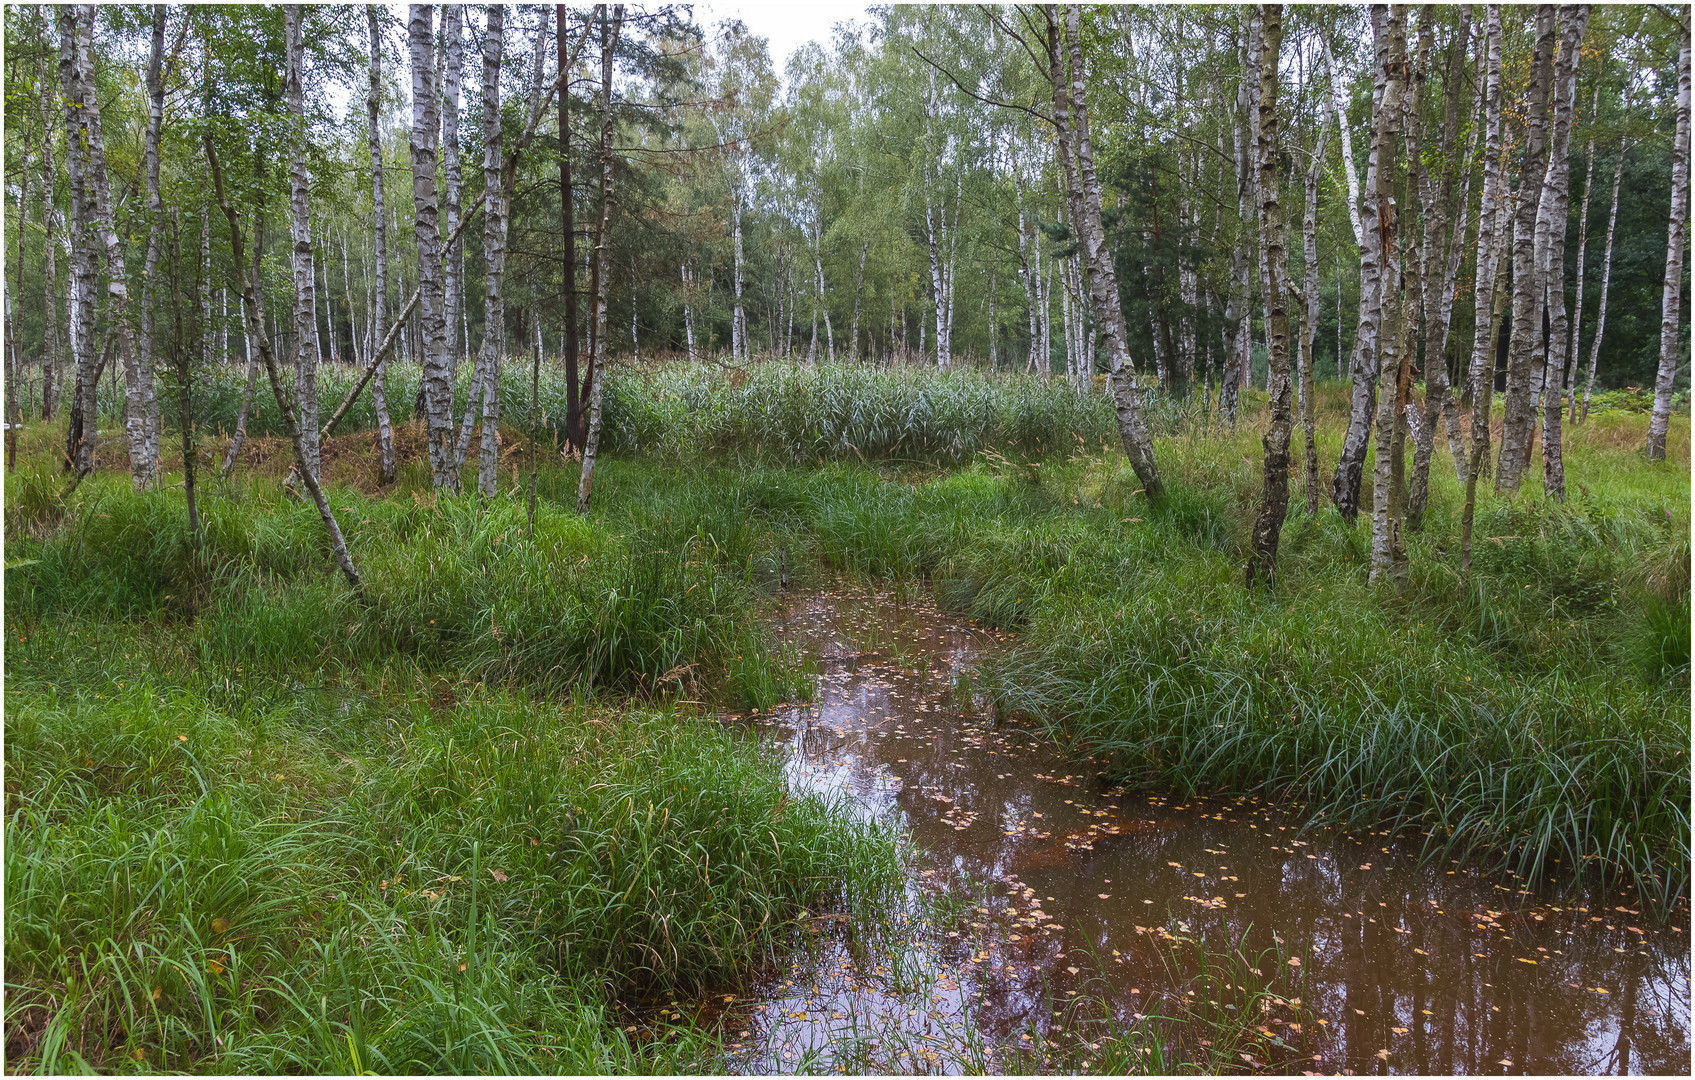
point(591, 446)
point(453, 277)
point(1606, 280)
point(379, 257)
point(437, 384)
point(300, 247)
point(1676, 235)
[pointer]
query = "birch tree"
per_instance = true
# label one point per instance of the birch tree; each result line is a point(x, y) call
point(1601, 303)
point(1551, 242)
point(1518, 421)
point(1389, 30)
point(1085, 197)
point(1274, 504)
point(1676, 236)
point(75, 75)
point(609, 28)
point(1491, 229)
point(306, 349)
point(437, 387)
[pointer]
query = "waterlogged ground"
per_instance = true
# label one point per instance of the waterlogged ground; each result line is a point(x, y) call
point(1041, 903)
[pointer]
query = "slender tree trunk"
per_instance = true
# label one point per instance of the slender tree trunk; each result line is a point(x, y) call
point(453, 277)
point(1438, 205)
point(144, 402)
point(1551, 243)
point(1606, 280)
point(1367, 366)
point(568, 231)
point(256, 328)
point(1070, 108)
point(1309, 324)
point(608, 42)
point(306, 349)
point(859, 297)
point(494, 253)
point(1387, 557)
point(379, 222)
point(438, 385)
point(52, 375)
point(1676, 235)
point(739, 347)
point(1480, 374)
point(1518, 422)
point(1238, 305)
point(1274, 504)
point(83, 430)
point(240, 434)
point(1573, 358)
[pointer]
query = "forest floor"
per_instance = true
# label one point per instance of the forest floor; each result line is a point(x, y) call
point(483, 821)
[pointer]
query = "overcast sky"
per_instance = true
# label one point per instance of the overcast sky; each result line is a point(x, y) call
point(787, 24)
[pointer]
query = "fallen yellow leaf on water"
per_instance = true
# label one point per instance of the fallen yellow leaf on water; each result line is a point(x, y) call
point(1072, 970)
point(1399, 1030)
point(1522, 960)
point(1103, 895)
point(1294, 961)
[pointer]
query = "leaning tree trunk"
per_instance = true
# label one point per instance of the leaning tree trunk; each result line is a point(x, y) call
point(1387, 556)
point(1480, 377)
point(438, 385)
point(1551, 243)
point(1518, 422)
point(1345, 487)
point(1103, 279)
point(144, 402)
point(1675, 237)
point(1274, 505)
point(300, 247)
point(603, 271)
point(1606, 280)
point(256, 329)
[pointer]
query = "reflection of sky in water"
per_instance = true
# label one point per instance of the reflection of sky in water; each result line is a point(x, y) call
point(1446, 969)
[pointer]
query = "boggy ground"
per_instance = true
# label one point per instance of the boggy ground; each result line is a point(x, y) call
point(385, 756)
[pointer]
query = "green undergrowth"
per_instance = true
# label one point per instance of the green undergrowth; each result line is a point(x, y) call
point(246, 872)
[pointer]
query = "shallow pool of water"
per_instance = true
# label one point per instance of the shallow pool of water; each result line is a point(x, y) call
point(1063, 891)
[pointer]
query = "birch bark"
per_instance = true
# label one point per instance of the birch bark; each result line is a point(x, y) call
point(494, 249)
point(300, 247)
point(140, 398)
point(437, 384)
point(1606, 280)
point(453, 277)
point(1387, 558)
point(609, 29)
point(1103, 281)
point(1480, 376)
point(1274, 503)
point(52, 376)
point(1518, 421)
point(1366, 367)
point(1551, 220)
point(1572, 358)
point(379, 223)
point(1676, 235)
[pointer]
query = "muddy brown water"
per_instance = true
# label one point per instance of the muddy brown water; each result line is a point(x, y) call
point(1377, 963)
